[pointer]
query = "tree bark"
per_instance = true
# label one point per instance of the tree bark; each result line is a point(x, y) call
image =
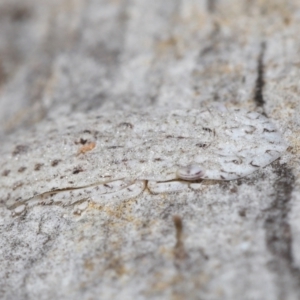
point(237, 239)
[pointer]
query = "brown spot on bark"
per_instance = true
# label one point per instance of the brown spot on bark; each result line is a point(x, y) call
point(20, 149)
point(289, 149)
point(233, 190)
point(86, 148)
point(242, 212)
point(38, 166)
point(179, 251)
point(77, 170)
point(22, 169)
point(5, 172)
point(55, 162)
point(21, 13)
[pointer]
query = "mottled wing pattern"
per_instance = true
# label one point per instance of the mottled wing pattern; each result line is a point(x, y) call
point(86, 149)
point(245, 141)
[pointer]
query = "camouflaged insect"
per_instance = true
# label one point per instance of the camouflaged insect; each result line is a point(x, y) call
point(104, 157)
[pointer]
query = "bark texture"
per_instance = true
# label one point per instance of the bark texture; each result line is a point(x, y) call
point(230, 240)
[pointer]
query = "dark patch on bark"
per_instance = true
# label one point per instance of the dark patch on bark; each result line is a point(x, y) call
point(202, 145)
point(260, 81)
point(22, 169)
point(20, 14)
point(179, 251)
point(207, 129)
point(114, 147)
point(20, 149)
point(126, 125)
point(211, 5)
point(205, 51)
point(278, 232)
point(77, 170)
point(242, 212)
point(5, 172)
point(37, 167)
point(55, 162)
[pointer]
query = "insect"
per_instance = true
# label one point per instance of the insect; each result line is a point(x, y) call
point(104, 156)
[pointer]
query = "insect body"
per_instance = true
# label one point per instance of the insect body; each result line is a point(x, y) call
point(105, 156)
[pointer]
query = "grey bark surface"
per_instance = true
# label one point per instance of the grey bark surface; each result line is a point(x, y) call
point(237, 239)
